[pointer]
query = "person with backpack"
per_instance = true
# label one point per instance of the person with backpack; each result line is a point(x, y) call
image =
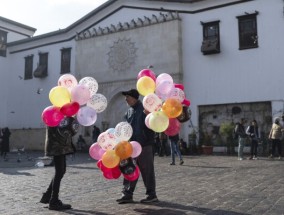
point(241, 133)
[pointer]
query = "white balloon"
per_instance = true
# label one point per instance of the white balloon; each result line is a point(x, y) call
point(123, 131)
point(91, 83)
point(152, 102)
point(68, 81)
point(164, 77)
point(98, 102)
point(107, 140)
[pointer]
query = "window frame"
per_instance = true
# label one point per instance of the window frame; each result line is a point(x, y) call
point(248, 38)
point(29, 67)
point(65, 63)
point(42, 69)
point(209, 39)
point(3, 43)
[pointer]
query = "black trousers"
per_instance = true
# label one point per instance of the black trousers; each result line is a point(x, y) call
point(276, 143)
point(145, 162)
point(253, 148)
point(60, 169)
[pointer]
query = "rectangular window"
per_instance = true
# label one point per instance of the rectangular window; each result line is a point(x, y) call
point(65, 60)
point(3, 43)
point(29, 67)
point(248, 31)
point(41, 70)
point(211, 38)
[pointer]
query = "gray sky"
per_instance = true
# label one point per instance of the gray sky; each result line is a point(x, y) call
point(47, 15)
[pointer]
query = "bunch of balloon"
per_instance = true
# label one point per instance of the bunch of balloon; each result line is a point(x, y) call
point(115, 153)
point(72, 98)
point(163, 99)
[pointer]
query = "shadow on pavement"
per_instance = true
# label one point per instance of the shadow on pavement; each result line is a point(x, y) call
point(169, 208)
point(83, 212)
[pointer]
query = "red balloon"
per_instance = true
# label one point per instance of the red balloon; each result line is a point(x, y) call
point(116, 173)
point(52, 116)
point(111, 173)
point(133, 176)
point(186, 102)
point(146, 72)
point(174, 127)
point(100, 164)
point(180, 86)
point(70, 109)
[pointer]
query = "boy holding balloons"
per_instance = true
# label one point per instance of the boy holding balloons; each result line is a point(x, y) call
point(135, 116)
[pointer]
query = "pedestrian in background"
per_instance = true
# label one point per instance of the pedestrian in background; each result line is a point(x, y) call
point(275, 136)
point(175, 149)
point(252, 132)
point(95, 134)
point(5, 143)
point(241, 133)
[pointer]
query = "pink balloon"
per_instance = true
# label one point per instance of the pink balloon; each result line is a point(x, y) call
point(180, 86)
point(186, 102)
point(133, 176)
point(174, 127)
point(96, 152)
point(136, 149)
point(52, 116)
point(81, 94)
point(147, 72)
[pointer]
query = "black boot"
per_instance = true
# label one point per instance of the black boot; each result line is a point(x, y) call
point(45, 198)
point(57, 205)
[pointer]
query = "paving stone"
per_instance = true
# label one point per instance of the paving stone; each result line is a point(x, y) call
point(203, 185)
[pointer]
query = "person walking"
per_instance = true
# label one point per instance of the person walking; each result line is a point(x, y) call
point(252, 132)
point(5, 144)
point(275, 135)
point(95, 134)
point(58, 143)
point(135, 116)
point(175, 149)
point(241, 133)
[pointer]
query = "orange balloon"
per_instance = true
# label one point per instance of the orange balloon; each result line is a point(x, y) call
point(172, 108)
point(110, 159)
point(123, 150)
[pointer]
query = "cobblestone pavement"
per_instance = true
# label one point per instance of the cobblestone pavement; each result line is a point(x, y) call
point(203, 185)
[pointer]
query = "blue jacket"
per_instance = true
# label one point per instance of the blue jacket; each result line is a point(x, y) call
point(135, 116)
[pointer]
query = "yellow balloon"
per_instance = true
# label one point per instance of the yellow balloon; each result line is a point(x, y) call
point(158, 121)
point(145, 85)
point(110, 159)
point(172, 108)
point(59, 96)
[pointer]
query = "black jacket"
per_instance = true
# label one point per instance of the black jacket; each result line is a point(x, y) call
point(135, 116)
point(58, 143)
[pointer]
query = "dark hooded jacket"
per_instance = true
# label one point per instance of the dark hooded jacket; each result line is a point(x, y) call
point(58, 139)
point(135, 116)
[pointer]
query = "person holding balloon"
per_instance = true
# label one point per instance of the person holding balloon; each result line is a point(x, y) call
point(135, 116)
point(175, 149)
point(58, 143)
